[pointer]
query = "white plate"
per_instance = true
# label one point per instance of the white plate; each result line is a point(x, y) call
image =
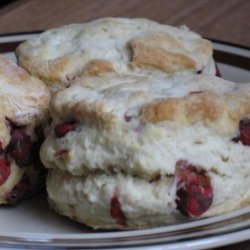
point(33, 225)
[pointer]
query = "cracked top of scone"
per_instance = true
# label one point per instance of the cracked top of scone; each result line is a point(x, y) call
point(124, 46)
point(24, 100)
point(144, 125)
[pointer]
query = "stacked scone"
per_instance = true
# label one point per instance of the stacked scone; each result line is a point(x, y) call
point(24, 103)
point(142, 133)
point(133, 152)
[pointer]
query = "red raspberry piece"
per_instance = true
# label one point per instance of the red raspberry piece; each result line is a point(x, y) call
point(61, 152)
point(116, 211)
point(62, 129)
point(194, 191)
point(127, 118)
point(20, 147)
point(4, 171)
point(245, 131)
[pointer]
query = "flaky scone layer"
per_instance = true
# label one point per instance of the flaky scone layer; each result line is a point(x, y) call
point(134, 46)
point(143, 123)
point(88, 200)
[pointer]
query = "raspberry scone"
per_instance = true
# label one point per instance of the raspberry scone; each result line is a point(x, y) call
point(24, 103)
point(124, 46)
point(132, 152)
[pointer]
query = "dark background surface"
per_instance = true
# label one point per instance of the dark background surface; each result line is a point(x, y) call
point(227, 20)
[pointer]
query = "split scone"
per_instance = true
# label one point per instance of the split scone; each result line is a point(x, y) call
point(133, 152)
point(24, 103)
point(124, 46)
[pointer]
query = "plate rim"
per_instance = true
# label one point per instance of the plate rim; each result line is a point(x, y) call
point(21, 33)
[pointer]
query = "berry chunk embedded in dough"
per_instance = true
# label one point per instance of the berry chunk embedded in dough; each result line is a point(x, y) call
point(4, 171)
point(116, 211)
point(245, 131)
point(194, 191)
point(20, 147)
point(62, 129)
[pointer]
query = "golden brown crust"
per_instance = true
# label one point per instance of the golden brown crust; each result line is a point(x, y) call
point(52, 71)
point(157, 51)
point(47, 72)
point(85, 111)
point(97, 67)
point(208, 108)
point(188, 109)
point(93, 113)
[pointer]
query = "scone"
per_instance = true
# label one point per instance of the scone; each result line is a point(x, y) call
point(24, 103)
point(133, 152)
point(124, 46)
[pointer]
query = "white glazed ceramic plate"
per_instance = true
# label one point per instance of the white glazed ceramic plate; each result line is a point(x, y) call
point(32, 225)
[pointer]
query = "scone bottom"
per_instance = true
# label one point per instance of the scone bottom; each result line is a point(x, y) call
point(22, 151)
